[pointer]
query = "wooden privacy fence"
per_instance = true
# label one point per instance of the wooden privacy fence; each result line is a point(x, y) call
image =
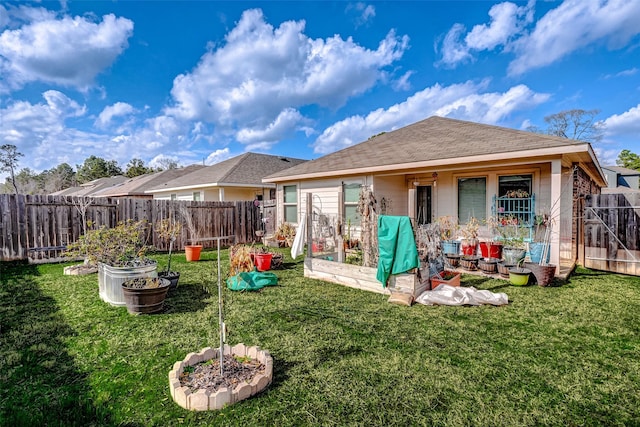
point(39, 227)
point(611, 232)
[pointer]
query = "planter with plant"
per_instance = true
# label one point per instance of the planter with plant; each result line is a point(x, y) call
point(512, 236)
point(191, 251)
point(168, 229)
point(285, 233)
point(451, 278)
point(448, 232)
point(145, 295)
point(119, 253)
point(349, 241)
point(470, 236)
point(490, 248)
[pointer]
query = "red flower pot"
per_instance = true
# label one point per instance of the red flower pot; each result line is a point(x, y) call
point(491, 250)
point(263, 261)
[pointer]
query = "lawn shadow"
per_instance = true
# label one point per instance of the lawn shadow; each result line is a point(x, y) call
point(186, 298)
point(41, 384)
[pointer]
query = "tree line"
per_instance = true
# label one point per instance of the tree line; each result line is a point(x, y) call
point(26, 181)
point(571, 124)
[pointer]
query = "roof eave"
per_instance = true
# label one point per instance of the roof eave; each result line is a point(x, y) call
point(491, 157)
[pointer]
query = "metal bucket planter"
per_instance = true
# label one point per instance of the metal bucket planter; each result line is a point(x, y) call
point(110, 280)
point(148, 299)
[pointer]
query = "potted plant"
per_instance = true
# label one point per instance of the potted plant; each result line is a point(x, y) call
point(168, 229)
point(192, 251)
point(448, 232)
point(490, 248)
point(470, 236)
point(514, 249)
point(145, 295)
point(119, 253)
point(451, 278)
point(285, 234)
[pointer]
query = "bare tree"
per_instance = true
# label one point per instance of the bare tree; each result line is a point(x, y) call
point(575, 124)
point(9, 155)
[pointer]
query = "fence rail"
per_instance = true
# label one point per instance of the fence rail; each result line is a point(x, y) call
point(39, 227)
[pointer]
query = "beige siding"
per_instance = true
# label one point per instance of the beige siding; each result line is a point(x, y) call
point(394, 191)
point(232, 194)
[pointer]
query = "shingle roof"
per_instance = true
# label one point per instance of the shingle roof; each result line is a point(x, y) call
point(92, 187)
point(622, 171)
point(247, 169)
point(139, 184)
point(435, 138)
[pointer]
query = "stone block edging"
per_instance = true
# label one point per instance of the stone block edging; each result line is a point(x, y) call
point(203, 400)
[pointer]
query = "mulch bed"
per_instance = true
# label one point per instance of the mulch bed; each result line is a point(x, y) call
point(206, 375)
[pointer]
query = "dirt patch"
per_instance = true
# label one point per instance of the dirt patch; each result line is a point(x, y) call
point(206, 375)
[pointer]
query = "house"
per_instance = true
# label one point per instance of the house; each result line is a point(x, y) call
point(621, 179)
point(446, 167)
point(238, 178)
point(92, 187)
point(136, 186)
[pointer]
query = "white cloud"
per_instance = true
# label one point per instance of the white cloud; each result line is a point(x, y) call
point(573, 25)
point(627, 123)
point(507, 21)
point(453, 50)
point(279, 128)
point(68, 51)
point(364, 13)
point(111, 111)
point(218, 156)
point(262, 71)
point(463, 101)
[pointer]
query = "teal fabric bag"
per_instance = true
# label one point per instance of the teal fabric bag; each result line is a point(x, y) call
point(397, 247)
point(252, 281)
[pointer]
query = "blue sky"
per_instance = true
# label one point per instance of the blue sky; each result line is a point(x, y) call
point(204, 81)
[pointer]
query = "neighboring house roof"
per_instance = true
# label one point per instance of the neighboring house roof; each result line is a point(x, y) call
point(246, 170)
point(137, 186)
point(622, 171)
point(438, 141)
point(92, 187)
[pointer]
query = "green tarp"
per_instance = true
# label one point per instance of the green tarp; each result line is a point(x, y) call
point(252, 281)
point(397, 247)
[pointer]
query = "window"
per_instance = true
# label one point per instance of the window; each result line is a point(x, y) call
point(196, 196)
point(351, 194)
point(472, 199)
point(174, 196)
point(290, 203)
point(514, 186)
point(515, 203)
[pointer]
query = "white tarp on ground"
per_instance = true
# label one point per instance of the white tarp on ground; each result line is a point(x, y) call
point(458, 295)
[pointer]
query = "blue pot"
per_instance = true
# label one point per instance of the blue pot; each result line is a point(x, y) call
point(450, 246)
point(535, 252)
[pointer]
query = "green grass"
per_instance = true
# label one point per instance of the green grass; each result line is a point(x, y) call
point(561, 356)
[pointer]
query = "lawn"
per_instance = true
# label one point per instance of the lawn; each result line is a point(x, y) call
point(564, 355)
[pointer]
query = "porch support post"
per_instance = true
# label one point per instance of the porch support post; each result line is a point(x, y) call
point(556, 205)
point(309, 224)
